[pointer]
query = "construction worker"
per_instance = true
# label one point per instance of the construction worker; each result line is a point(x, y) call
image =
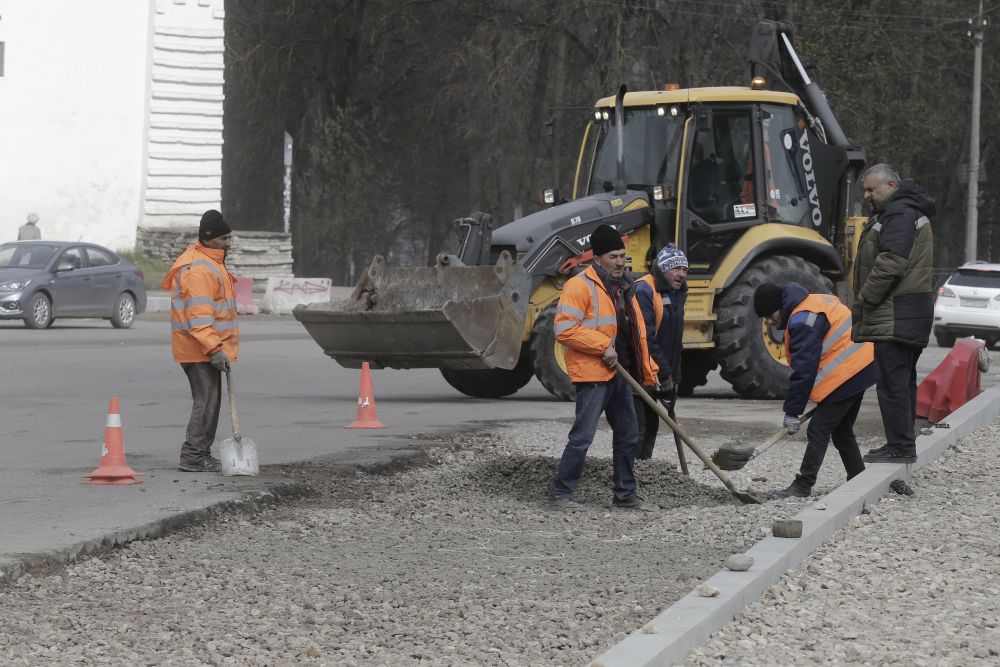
point(661, 294)
point(827, 368)
point(204, 333)
point(600, 324)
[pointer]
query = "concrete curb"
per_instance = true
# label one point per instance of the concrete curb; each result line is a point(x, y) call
point(691, 620)
point(249, 503)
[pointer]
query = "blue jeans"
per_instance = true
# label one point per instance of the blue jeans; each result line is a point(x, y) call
point(614, 399)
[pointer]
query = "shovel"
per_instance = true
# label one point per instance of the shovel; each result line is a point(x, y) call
point(742, 496)
point(239, 454)
point(677, 438)
point(734, 458)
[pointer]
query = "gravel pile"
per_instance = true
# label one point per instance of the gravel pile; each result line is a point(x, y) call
point(453, 562)
point(914, 581)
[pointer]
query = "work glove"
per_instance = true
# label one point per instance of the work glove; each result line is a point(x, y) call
point(610, 356)
point(220, 361)
point(666, 384)
point(792, 424)
point(669, 398)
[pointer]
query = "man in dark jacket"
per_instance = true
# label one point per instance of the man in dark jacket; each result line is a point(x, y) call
point(894, 300)
point(827, 368)
point(661, 294)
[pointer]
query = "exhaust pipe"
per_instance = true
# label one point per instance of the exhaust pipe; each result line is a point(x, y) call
point(620, 188)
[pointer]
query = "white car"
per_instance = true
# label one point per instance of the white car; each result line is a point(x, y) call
point(968, 304)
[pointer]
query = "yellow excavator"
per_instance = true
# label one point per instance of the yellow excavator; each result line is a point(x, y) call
point(755, 183)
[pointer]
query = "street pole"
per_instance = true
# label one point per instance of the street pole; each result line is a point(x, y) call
point(971, 210)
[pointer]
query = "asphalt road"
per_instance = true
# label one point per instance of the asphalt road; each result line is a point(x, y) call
point(293, 403)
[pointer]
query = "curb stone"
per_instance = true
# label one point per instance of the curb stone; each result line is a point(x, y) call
point(693, 619)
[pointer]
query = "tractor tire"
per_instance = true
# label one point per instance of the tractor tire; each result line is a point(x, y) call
point(546, 358)
point(695, 367)
point(491, 382)
point(746, 350)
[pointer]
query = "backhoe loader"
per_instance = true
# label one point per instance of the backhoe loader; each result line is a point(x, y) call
point(754, 183)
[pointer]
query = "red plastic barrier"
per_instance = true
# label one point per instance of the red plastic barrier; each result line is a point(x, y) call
point(952, 383)
point(245, 304)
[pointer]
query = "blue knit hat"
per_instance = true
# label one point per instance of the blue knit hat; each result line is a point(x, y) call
point(670, 257)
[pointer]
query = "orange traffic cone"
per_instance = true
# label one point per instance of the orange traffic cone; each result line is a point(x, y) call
point(113, 469)
point(365, 417)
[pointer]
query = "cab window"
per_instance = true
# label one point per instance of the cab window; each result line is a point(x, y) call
point(720, 188)
point(787, 200)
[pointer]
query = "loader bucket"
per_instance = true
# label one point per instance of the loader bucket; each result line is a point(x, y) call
point(445, 316)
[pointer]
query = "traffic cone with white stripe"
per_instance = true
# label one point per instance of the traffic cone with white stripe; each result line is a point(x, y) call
point(113, 469)
point(365, 416)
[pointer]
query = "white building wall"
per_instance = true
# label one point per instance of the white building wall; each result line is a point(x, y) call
point(73, 99)
point(110, 116)
point(184, 169)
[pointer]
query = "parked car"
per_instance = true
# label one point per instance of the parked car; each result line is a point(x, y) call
point(968, 304)
point(41, 281)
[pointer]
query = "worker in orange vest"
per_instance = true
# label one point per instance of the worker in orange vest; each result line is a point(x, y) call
point(204, 333)
point(828, 368)
point(661, 294)
point(599, 322)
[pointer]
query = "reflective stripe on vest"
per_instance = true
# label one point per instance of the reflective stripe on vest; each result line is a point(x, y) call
point(657, 299)
point(221, 307)
point(590, 323)
point(841, 358)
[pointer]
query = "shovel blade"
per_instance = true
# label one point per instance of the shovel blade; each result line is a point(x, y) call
point(732, 458)
point(239, 457)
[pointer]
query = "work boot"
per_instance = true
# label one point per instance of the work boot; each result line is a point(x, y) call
point(878, 450)
point(886, 455)
point(207, 464)
point(791, 492)
point(630, 503)
point(563, 504)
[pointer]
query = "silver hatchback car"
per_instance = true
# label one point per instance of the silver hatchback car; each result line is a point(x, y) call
point(44, 280)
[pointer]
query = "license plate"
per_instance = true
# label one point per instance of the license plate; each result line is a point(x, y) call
point(975, 303)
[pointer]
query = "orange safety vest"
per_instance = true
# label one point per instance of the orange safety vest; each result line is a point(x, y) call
point(841, 358)
point(586, 324)
point(202, 305)
point(657, 299)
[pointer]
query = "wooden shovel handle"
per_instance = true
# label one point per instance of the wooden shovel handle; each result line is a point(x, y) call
point(232, 407)
point(660, 410)
point(777, 437)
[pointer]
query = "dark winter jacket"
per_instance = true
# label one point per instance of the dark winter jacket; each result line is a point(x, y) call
point(666, 343)
point(805, 342)
point(893, 279)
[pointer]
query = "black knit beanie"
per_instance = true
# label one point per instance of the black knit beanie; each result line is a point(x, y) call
point(767, 299)
point(212, 226)
point(605, 239)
